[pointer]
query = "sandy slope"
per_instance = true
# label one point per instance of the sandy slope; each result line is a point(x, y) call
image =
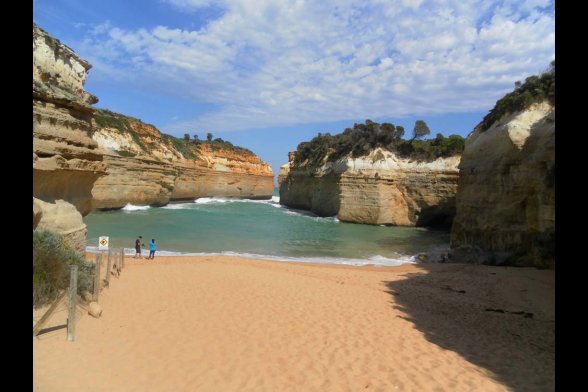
point(232, 324)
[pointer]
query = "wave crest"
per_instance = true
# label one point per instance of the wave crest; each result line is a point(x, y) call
point(132, 207)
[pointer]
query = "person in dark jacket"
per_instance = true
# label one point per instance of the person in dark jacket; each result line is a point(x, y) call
point(138, 244)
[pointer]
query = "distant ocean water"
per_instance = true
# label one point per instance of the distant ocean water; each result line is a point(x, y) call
point(261, 229)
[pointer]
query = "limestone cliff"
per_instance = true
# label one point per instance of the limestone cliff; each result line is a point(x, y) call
point(66, 161)
point(380, 188)
point(146, 167)
point(506, 192)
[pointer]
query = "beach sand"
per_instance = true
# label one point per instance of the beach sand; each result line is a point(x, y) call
point(236, 324)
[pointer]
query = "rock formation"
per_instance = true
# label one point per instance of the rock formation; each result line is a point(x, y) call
point(380, 188)
point(146, 167)
point(506, 193)
point(96, 159)
point(66, 161)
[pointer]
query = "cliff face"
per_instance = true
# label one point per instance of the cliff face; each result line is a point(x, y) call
point(380, 188)
point(148, 168)
point(66, 161)
point(506, 193)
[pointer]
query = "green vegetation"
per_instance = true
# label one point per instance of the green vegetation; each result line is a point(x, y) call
point(184, 146)
point(107, 119)
point(535, 89)
point(51, 261)
point(363, 138)
point(220, 144)
point(420, 130)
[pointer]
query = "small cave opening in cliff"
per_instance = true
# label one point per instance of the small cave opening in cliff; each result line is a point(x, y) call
point(435, 219)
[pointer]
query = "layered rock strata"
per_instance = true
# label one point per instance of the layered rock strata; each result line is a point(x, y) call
point(146, 167)
point(66, 161)
point(74, 145)
point(506, 193)
point(380, 188)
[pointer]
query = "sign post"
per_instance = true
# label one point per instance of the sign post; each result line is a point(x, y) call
point(102, 246)
point(103, 243)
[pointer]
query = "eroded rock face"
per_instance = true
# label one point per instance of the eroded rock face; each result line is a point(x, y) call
point(380, 188)
point(66, 161)
point(138, 181)
point(506, 193)
point(145, 168)
point(100, 160)
point(64, 218)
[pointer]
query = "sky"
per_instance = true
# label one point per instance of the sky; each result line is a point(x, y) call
point(269, 74)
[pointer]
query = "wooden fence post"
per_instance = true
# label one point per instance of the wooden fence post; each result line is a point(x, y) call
point(73, 298)
point(122, 256)
point(108, 267)
point(97, 276)
point(116, 261)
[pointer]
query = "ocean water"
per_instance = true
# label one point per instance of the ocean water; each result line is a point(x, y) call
point(261, 229)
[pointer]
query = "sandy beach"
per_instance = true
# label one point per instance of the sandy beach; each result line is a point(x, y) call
point(235, 324)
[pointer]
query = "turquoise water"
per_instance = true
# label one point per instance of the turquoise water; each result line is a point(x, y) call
point(261, 229)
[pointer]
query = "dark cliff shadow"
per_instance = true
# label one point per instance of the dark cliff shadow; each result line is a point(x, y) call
point(439, 216)
point(498, 318)
point(319, 194)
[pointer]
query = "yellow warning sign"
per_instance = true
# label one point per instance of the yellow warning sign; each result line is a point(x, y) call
point(103, 243)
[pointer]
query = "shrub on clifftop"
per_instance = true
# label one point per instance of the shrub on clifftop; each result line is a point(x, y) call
point(363, 138)
point(535, 89)
point(51, 261)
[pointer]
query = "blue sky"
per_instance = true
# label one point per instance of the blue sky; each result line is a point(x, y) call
point(268, 74)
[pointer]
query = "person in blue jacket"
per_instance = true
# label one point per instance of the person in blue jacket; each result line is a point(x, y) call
point(152, 249)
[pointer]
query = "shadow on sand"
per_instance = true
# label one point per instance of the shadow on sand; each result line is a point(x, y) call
point(51, 329)
point(498, 318)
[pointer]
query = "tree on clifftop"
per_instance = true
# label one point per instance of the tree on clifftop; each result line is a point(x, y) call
point(209, 136)
point(420, 129)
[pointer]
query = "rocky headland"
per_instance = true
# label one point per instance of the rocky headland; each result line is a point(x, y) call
point(380, 188)
point(66, 160)
point(86, 159)
point(506, 192)
point(146, 167)
point(369, 174)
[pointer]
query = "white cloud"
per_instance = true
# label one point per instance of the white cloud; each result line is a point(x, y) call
point(190, 4)
point(269, 63)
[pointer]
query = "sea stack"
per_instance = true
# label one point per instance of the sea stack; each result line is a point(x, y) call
point(380, 185)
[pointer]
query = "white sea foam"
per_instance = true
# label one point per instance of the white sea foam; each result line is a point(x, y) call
point(132, 207)
point(211, 200)
point(376, 260)
point(178, 206)
point(273, 202)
